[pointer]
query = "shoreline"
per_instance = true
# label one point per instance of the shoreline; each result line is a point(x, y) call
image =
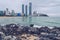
point(35, 26)
point(22, 16)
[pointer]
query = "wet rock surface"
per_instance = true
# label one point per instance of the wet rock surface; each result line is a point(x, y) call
point(18, 32)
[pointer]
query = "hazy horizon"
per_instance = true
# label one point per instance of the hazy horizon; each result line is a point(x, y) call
point(50, 7)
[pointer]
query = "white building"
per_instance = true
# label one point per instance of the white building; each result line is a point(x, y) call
point(7, 12)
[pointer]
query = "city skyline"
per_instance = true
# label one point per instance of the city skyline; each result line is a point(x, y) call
point(27, 10)
point(50, 7)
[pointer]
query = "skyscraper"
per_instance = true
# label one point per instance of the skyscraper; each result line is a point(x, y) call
point(23, 9)
point(7, 12)
point(30, 8)
point(26, 10)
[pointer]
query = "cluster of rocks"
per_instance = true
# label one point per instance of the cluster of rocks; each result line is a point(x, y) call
point(15, 32)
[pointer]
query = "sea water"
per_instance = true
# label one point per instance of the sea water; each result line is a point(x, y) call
point(41, 21)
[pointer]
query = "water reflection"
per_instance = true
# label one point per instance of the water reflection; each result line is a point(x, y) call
point(24, 19)
point(30, 20)
point(27, 20)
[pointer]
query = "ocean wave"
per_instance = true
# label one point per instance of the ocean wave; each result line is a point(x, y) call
point(53, 22)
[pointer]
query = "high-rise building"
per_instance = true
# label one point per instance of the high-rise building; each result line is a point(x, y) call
point(30, 8)
point(12, 13)
point(23, 9)
point(26, 10)
point(7, 12)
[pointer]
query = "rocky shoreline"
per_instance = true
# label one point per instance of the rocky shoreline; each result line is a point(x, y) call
point(21, 32)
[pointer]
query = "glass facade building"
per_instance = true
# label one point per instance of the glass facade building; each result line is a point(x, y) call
point(13, 13)
point(1, 13)
point(30, 8)
point(22, 9)
point(26, 10)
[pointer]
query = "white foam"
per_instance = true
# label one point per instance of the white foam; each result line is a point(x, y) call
point(51, 27)
point(37, 26)
point(42, 26)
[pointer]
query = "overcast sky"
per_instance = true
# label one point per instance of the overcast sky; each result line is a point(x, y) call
point(51, 7)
